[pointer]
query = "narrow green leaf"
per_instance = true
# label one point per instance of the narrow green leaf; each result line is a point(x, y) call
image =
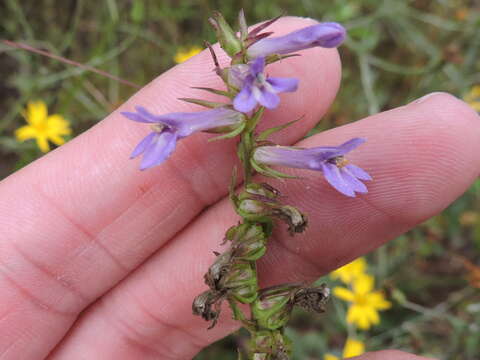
point(242, 22)
point(253, 121)
point(208, 104)
point(231, 188)
point(229, 135)
point(267, 171)
point(265, 134)
point(215, 91)
point(274, 58)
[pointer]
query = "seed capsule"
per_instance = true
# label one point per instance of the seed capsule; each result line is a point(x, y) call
point(248, 241)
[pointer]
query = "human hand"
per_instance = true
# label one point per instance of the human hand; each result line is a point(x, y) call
point(99, 260)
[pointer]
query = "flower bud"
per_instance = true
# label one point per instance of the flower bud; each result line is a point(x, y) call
point(225, 35)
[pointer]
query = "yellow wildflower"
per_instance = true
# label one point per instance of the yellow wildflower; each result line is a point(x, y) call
point(352, 348)
point(473, 98)
point(185, 54)
point(349, 272)
point(43, 127)
point(365, 302)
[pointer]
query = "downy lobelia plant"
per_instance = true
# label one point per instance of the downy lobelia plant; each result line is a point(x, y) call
point(248, 92)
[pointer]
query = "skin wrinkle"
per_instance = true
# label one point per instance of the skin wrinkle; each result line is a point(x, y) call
point(66, 285)
point(8, 348)
point(32, 299)
point(184, 175)
point(147, 203)
point(124, 329)
point(165, 327)
point(92, 238)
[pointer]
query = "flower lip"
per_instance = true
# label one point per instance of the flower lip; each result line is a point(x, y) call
point(257, 88)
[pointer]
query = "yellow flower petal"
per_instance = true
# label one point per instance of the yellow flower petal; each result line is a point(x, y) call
point(25, 132)
point(57, 123)
point(357, 316)
point(473, 97)
point(57, 127)
point(353, 348)
point(42, 143)
point(475, 91)
point(343, 293)
point(377, 300)
point(363, 284)
point(57, 140)
point(372, 315)
point(184, 55)
point(36, 113)
point(349, 272)
point(475, 105)
point(330, 357)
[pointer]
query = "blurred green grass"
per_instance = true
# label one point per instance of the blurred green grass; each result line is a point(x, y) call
point(396, 52)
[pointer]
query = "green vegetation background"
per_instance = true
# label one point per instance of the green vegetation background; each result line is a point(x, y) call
point(397, 51)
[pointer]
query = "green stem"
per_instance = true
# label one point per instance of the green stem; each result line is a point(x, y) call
point(240, 316)
point(246, 147)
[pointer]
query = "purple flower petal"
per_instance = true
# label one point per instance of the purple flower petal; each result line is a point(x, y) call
point(136, 117)
point(257, 66)
point(266, 98)
point(143, 145)
point(342, 176)
point(355, 184)
point(359, 173)
point(336, 35)
point(245, 100)
point(334, 177)
point(324, 34)
point(283, 84)
point(159, 150)
point(237, 75)
point(350, 145)
point(146, 114)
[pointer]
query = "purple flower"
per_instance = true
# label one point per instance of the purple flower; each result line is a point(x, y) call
point(326, 35)
point(330, 160)
point(257, 88)
point(157, 146)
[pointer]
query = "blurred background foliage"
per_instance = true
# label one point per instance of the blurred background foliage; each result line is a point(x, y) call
point(397, 51)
